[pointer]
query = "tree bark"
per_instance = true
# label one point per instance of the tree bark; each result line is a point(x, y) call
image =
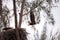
point(16, 27)
point(20, 15)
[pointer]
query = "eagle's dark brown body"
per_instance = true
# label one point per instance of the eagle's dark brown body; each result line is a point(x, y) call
point(32, 18)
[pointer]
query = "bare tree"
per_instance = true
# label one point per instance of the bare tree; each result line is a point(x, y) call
point(16, 27)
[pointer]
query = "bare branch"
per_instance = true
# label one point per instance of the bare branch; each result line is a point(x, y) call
point(33, 8)
point(20, 15)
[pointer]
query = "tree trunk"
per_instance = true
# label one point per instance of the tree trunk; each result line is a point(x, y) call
point(16, 28)
point(20, 15)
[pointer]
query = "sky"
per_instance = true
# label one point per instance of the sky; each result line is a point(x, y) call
point(54, 29)
point(56, 13)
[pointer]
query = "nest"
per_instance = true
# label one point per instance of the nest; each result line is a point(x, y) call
point(11, 34)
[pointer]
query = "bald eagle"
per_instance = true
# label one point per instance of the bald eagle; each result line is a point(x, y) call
point(32, 18)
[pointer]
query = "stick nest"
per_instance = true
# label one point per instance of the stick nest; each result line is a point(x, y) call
point(11, 34)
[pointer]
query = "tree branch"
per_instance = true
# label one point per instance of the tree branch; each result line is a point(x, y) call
point(16, 28)
point(33, 8)
point(20, 15)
